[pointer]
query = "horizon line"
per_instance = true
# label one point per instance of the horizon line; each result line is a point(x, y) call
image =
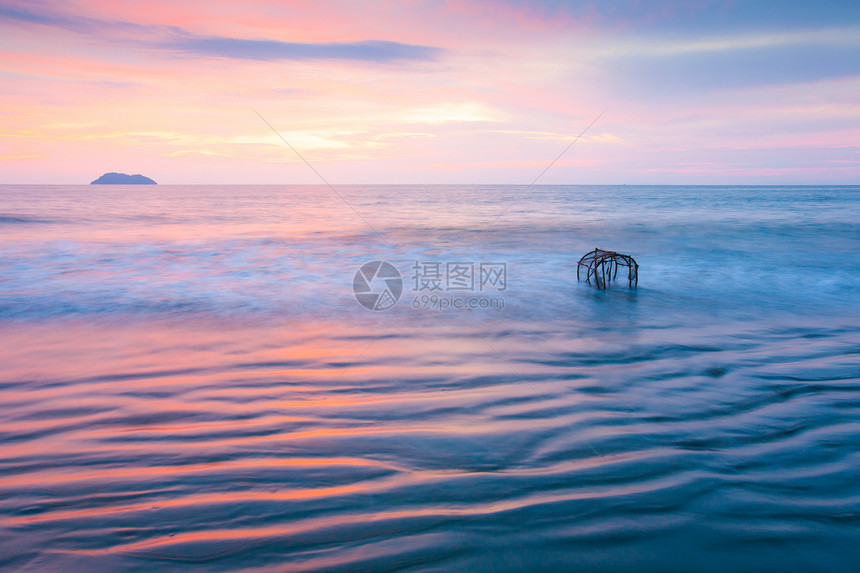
point(450, 184)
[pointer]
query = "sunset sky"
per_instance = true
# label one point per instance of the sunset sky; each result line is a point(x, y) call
point(472, 91)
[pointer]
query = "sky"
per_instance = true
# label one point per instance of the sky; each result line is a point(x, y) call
point(430, 92)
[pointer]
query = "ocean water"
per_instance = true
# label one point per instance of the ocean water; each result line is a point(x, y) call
point(188, 382)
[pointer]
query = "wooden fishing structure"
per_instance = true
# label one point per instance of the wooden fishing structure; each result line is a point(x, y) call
point(602, 267)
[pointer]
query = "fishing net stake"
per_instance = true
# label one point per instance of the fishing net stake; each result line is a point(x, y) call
point(602, 267)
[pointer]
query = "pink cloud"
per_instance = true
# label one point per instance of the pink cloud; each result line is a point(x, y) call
point(508, 85)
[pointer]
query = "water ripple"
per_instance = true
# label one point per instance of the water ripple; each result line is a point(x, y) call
point(257, 459)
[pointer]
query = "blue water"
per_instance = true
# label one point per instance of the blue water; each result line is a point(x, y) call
point(187, 381)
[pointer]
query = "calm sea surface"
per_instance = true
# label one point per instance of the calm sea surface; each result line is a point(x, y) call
point(187, 381)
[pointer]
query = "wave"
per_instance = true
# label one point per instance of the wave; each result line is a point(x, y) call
point(19, 219)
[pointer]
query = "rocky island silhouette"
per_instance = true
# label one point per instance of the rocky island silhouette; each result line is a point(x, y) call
point(114, 178)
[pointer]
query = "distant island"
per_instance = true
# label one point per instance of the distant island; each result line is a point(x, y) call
point(123, 179)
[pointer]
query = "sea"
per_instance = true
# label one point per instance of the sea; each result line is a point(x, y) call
point(413, 378)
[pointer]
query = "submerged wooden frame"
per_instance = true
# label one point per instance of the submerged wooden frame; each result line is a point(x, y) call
point(602, 266)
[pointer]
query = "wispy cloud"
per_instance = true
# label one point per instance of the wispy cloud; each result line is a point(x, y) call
point(178, 41)
point(267, 50)
point(681, 66)
point(451, 112)
point(43, 14)
point(647, 46)
point(19, 157)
